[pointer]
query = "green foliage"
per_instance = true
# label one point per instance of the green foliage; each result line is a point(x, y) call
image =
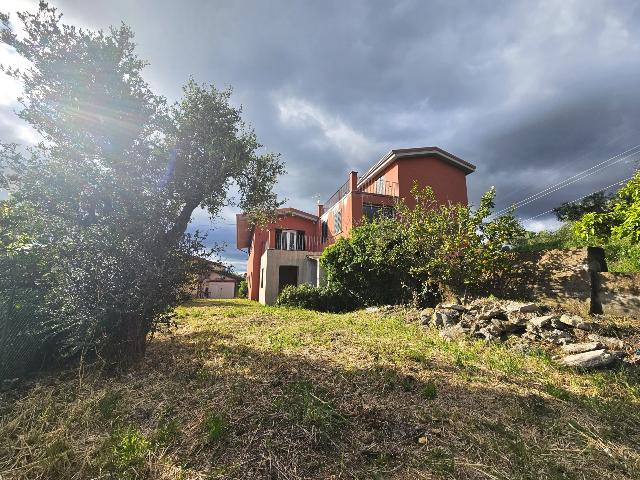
point(427, 250)
point(564, 237)
point(622, 222)
point(429, 391)
point(598, 202)
point(128, 449)
point(93, 250)
point(372, 264)
point(456, 248)
point(324, 299)
point(214, 427)
point(243, 289)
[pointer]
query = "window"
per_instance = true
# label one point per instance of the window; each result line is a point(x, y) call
point(380, 186)
point(371, 211)
point(337, 220)
point(290, 240)
point(325, 231)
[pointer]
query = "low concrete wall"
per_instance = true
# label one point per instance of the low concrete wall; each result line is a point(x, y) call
point(576, 276)
point(618, 293)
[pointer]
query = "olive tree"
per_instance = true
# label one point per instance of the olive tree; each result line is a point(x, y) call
point(94, 244)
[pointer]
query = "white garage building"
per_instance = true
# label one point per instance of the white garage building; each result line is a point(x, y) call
point(215, 281)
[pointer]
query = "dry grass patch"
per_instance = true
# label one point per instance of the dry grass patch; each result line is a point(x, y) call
point(238, 390)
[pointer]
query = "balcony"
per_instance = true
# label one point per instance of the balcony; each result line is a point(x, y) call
point(336, 197)
point(294, 240)
point(381, 187)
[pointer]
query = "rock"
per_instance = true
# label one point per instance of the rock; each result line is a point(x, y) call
point(426, 315)
point(507, 326)
point(453, 333)
point(611, 343)
point(633, 360)
point(453, 306)
point(559, 337)
point(575, 321)
point(446, 318)
point(491, 332)
point(492, 312)
point(574, 348)
point(372, 309)
point(541, 322)
point(592, 359)
point(518, 321)
point(522, 307)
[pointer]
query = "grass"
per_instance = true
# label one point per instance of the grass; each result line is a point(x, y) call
point(239, 390)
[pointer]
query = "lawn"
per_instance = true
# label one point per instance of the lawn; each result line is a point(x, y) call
point(238, 390)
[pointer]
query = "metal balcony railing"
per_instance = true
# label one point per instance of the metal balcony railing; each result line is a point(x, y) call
point(306, 243)
point(336, 197)
point(387, 188)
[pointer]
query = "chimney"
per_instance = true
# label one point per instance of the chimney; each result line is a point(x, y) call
point(353, 181)
point(320, 211)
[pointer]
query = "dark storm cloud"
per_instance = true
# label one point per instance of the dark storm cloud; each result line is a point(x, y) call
point(531, 92)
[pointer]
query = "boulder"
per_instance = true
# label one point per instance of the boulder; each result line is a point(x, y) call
point(453, 306)
point(426, 315)
point(593, 359)
point(453, 333)
point(559, 337)
point(573, 348)
point(518, 307)
point(541, 322)
point(611, 343)
point(575, 321)
point(491, 332)
point(446, 318)
point(491, 312)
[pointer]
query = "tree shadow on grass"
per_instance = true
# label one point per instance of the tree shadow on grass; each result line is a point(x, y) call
point(297, 416)
point(281, 415)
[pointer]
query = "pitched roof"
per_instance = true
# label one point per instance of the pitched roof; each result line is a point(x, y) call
point(394, 155)
point(244, 229)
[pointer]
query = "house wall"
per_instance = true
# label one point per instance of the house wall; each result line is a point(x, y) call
point(449, 183)
point(270, 264)
point(267, 235)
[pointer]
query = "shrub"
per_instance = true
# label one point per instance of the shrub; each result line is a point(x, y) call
point(427, 250)
point(243, 289)
point(372, 265)
point(322, 299)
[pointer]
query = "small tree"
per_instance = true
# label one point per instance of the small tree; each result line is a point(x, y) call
point(622, 222)
point(598, 202)
point(454, 248)
point(95, 246)
point(243, 288)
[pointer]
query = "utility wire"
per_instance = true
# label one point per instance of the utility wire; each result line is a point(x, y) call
point(573, 179)
point(619, 182)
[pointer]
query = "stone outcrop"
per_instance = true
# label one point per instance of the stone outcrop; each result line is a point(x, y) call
point(497, 321)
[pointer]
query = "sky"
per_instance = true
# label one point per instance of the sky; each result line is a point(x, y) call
point(532, 93)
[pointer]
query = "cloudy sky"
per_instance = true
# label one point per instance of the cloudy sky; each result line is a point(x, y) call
point(533, 93)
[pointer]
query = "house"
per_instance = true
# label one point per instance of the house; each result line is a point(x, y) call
point(214, 281)
point(287, 251)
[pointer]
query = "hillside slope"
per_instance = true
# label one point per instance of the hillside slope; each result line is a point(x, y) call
point(238, 390)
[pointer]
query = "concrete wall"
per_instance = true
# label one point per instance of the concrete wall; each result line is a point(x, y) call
point(618, 293)
point(270, 264)
point(576, 276)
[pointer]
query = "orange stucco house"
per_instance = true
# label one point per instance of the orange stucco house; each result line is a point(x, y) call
point(287, 251)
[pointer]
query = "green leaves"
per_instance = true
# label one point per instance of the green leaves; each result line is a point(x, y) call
point(622, 222)
point(93, 235)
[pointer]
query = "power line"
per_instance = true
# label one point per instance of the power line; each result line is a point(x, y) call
point(573, 179)
point(619, 182)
